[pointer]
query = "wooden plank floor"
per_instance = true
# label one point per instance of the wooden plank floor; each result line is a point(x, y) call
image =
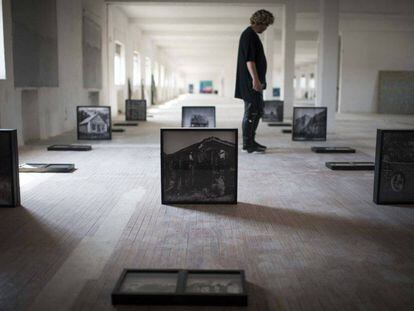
point(309, 238)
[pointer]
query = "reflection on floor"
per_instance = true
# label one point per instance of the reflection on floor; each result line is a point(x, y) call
point(309, 238)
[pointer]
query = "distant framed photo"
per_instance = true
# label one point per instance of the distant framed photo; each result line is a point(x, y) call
point(309, 123)
point(94, 122)
point(135, 110)
point(9, 169)
point(273, 111)
point(394, 167)
point(199, 166)
point(198, 116)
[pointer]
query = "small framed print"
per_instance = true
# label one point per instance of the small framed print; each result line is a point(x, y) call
point(198, 116)
point(94, 122)
point(9, 169)
point(309, 123)
point(272, 111)
point(135, 110)
point(180, 287)
point(394, 167)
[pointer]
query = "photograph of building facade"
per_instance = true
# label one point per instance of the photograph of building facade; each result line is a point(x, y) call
point(94, 122)
point(203, 171)
point(198, 116)
point(135, 110)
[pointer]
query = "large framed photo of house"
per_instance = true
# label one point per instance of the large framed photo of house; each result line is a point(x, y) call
point(309, 123)
point(135, 110)
point(9, 169)
point(272, 111)
point(198, 116)
point(199, 166)
point(394, 167)
point(94, 122)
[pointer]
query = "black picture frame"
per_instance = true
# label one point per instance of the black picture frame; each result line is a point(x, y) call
point(140, 287)
point(321, 149)
point(47, 168)
point(86, 114)
point(309, 123)
point(69, 147)
point(273, 111)
point(198, 116)
point(9, 169)
point(394, 167)
point(135, 110)
point(350, 166)
point(186, 173)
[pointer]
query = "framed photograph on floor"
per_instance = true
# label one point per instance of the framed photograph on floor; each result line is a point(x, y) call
point(198, 116)
point(273, 111)
point(309, 123)
point(181, 287)
point(94, 122)
point(394, 167)
point(135, 110)
point(9, 169)
point(199, 166)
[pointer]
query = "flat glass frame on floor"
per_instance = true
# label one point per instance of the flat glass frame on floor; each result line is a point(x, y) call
point(180, 287)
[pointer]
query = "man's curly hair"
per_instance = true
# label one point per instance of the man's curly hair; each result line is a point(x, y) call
point(262, 17)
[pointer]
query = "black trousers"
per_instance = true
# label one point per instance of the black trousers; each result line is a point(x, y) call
point(253, 111)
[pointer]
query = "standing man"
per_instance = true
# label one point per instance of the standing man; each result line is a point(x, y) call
point(251, 77)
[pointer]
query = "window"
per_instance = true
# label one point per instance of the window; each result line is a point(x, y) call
point(312, 81)
point(162, 76)
point(156, 74)
point(119, 64)
point(136, 78)
point(302, 82)
point(147, 71)
point(2, 58)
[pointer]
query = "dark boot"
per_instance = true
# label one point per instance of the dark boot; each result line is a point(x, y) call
point(255, 126)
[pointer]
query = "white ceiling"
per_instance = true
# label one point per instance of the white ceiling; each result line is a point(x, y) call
point(204, 37)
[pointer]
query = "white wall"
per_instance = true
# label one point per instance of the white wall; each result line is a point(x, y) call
point(364, 54)
point(57, 105)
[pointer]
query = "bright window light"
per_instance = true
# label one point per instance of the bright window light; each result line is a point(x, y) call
point(312, 81)
point(148, 71)
point(119, 65)
point(136, 77)
point(302, 82)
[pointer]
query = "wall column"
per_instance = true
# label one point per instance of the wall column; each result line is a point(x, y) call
point(327, 87)
point(288, 55)
point(269, 47)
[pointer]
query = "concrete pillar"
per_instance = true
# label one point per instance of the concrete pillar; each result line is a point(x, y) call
point(288, 55)
point(269, 47)
point(327, 87)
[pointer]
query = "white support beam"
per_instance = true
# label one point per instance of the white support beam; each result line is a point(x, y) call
point(327, 87)
point(269, 45)
point(288, 54)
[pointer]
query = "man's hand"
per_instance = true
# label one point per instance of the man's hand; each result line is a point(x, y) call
point(257, 85)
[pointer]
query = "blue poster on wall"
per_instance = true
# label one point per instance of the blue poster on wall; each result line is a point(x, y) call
point(206, 87)
point(276, 92)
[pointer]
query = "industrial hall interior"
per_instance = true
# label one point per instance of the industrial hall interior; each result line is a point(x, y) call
point(206, 155)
